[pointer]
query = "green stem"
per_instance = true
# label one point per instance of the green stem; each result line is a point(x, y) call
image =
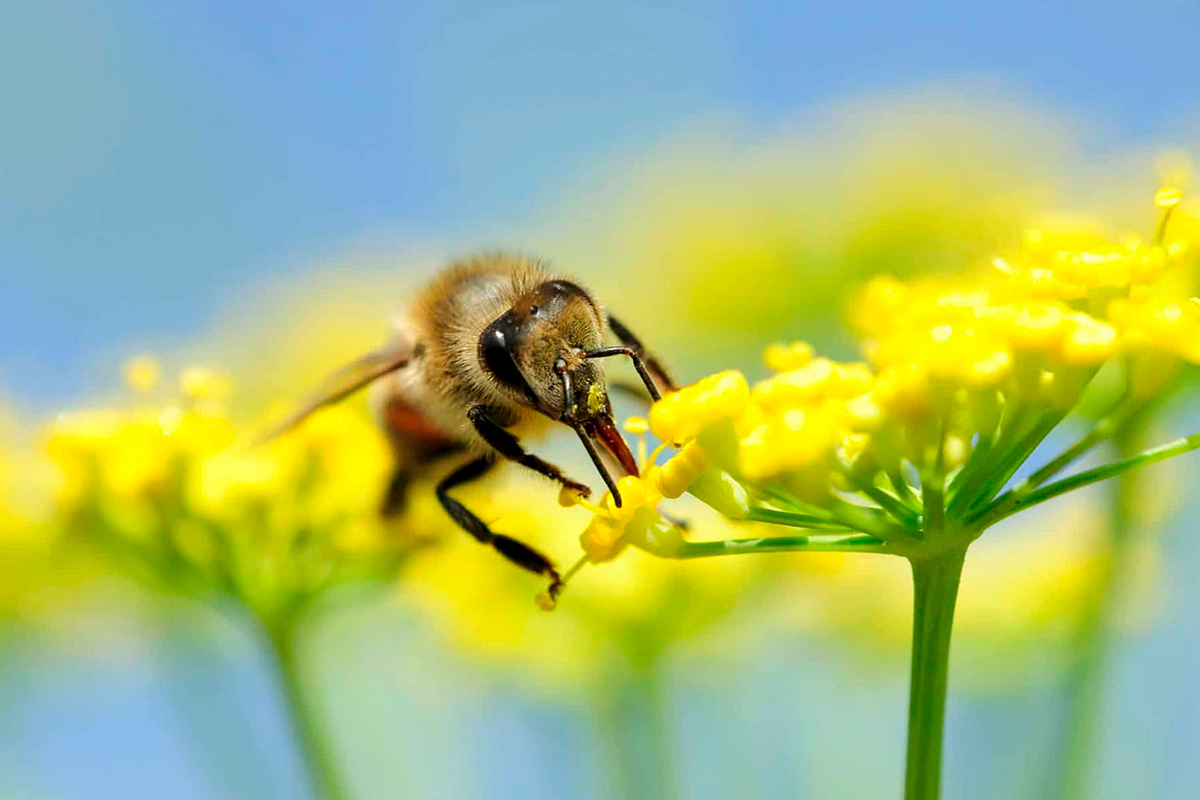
point(792, 519)
point(1092, 639)
point(933, 515)
point(1012, 459)
point(903, 490)
point(779, 544)
point(1103, 429)
point(935, 590)
point(314, 747)
point(890, 503)
point(1011, 502)
point(970, 480)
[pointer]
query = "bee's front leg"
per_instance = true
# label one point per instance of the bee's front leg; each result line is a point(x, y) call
point(508, 446)
point(515, 551)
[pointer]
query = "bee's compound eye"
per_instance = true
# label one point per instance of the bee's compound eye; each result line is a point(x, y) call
point(565, 289)
point(496, 354)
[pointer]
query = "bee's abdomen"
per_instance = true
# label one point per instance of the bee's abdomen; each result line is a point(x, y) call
point(415, 436)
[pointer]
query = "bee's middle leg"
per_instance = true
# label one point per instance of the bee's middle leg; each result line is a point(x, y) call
point(515, 551)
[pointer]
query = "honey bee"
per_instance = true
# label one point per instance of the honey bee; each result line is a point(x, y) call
point(492, 347)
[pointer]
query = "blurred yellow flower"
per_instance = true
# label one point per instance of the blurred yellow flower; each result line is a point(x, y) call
point(180, 490)
point(201, 383)
point(29, 562)
point(142, 374)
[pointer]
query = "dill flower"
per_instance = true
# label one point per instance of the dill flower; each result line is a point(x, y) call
point(914, 452)
point(177, 492)
point(27, 538)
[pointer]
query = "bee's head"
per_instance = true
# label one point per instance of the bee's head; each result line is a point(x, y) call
point(556, 320)
point(537, 353)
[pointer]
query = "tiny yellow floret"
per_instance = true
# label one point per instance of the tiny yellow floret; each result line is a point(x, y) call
point(201, 383)
point(142, 374)
point(681, 414)
point(781, 357)
point(1090, 341)
point(1168, 197)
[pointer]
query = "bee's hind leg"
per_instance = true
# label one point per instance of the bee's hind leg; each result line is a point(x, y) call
point(515, 551)
point(395, 497)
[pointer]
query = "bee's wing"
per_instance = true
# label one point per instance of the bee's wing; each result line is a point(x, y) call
point(347, 380)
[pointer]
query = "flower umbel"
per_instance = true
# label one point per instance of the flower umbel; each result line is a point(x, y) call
point(911, 452)
point(914, 451)
point(174, 491)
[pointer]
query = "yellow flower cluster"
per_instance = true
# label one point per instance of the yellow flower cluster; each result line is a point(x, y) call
point(963, 376)
point(1156, 322)
point(790, 421)
point(637, 518)
point(174, 484)
point(1076, 260)
point(936, 337)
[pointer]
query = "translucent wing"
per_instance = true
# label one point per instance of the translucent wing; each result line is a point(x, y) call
point(347, 380)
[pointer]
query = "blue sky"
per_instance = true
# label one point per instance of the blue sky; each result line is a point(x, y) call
point(157, 157)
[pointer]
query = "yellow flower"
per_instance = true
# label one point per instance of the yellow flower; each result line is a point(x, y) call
point(201, 383)
point(789, 441)
point(966, 375)
point(271, 522)
point(142, 374)
point(1089, 341)
point(1156, 322)
point(1073, 259)
point(680, 415)
point(786, 357)
point(36, 575)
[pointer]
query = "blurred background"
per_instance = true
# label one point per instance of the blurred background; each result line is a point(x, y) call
point(257, 186)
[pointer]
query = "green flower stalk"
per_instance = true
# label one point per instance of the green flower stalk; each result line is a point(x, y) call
point(916, 452)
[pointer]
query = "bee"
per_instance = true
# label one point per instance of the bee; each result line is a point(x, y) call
point(493, 348)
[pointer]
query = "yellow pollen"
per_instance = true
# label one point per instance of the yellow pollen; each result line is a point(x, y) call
point(595, 399)
point(681, 414)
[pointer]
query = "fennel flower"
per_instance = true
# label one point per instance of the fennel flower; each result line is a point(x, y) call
point(913, 453)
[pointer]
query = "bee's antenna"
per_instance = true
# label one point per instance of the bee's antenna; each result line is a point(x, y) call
point(638, 364)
